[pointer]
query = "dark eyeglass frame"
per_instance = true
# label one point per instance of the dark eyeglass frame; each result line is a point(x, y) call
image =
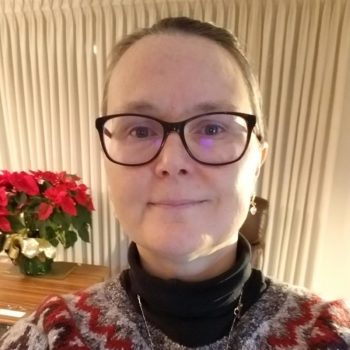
point(177, 127)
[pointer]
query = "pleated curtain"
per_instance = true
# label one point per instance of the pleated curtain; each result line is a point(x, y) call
point(53, 56)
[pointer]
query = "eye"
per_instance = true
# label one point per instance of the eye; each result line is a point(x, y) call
point(141, 132)
point(207, 128)
point(212, 129)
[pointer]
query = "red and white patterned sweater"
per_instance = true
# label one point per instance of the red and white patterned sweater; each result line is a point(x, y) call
point(102, 317)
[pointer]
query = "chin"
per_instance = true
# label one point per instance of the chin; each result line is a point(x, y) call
point(184, 245)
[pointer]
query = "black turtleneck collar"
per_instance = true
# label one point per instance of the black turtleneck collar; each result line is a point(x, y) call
point(194, 313)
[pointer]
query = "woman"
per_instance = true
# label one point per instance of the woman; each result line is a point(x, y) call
point(183, 139)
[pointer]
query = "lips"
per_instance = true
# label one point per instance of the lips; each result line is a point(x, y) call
point(177, 203)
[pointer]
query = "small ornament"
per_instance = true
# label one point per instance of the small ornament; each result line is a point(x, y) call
point(252, 208)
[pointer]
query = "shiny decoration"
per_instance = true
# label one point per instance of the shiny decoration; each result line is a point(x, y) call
point(16, 244)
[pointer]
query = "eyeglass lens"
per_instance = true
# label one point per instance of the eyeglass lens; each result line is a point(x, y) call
point(214, 139)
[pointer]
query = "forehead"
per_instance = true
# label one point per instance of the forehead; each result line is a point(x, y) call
point(176, 72)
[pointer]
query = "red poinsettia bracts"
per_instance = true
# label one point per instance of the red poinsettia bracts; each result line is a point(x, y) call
point(60, 197)
point(44, 204)
point(44, 211)
point(83, 198)
point(23, 182)
point(3, 197)
point(4, 222)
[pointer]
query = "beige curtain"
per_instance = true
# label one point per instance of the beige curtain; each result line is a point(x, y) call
point(52, 63)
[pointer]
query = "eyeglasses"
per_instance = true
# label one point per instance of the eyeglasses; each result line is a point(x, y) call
point(215, 138)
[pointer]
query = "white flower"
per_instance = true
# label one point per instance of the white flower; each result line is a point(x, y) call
point(29, 247)
point(32, 247)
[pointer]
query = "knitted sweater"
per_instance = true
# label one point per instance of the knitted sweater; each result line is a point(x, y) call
point(102, 317)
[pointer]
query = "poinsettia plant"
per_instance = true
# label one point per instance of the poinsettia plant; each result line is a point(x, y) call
point(40, 210)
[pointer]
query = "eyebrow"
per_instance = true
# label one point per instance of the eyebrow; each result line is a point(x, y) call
point(139, 106)
point(202, 107)
point(216, 106)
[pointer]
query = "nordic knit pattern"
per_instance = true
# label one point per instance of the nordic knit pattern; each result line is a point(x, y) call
point(102, 317)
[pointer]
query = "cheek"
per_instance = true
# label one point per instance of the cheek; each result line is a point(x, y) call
point(237, 189)
point(239, 181)
point(248, 170)
point(125, 191)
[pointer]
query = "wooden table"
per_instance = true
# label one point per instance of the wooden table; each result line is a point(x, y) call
point(21, 294)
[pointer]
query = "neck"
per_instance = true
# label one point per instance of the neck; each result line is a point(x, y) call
point(189, 270)
point(190, 305)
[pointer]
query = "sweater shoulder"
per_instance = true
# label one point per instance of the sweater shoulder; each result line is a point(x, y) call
point(49, 326)
point(293, 317)
point(83, 320)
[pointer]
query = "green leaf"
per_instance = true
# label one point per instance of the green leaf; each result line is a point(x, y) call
point(2, 241)
point(12, 206)
point(44, 186)
point(54, 241)
point(50, 234)
point(82, 222)
point(50, 223)
point(84, 233)
point(15, 222)
point(41, 226)
point(83, 216)
point(71, 237)
point(34, 203)
point(47, 230)
point(22, 198)
point(63, 219)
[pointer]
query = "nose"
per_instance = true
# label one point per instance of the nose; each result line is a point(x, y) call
point(173, 158)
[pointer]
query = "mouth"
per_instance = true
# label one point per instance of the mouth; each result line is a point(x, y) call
point(176, 204)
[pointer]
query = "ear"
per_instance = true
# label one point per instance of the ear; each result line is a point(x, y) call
point(263, 155)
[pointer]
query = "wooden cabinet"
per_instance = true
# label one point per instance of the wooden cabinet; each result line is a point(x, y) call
point(19, 294)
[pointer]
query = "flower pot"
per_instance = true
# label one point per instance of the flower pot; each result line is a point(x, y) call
point(35, 266)
point(34, 256)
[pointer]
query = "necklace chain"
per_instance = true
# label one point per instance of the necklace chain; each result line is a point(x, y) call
point(236, 312)
point(145, 322)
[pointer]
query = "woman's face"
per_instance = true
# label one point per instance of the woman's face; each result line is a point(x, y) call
point(174, 207)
